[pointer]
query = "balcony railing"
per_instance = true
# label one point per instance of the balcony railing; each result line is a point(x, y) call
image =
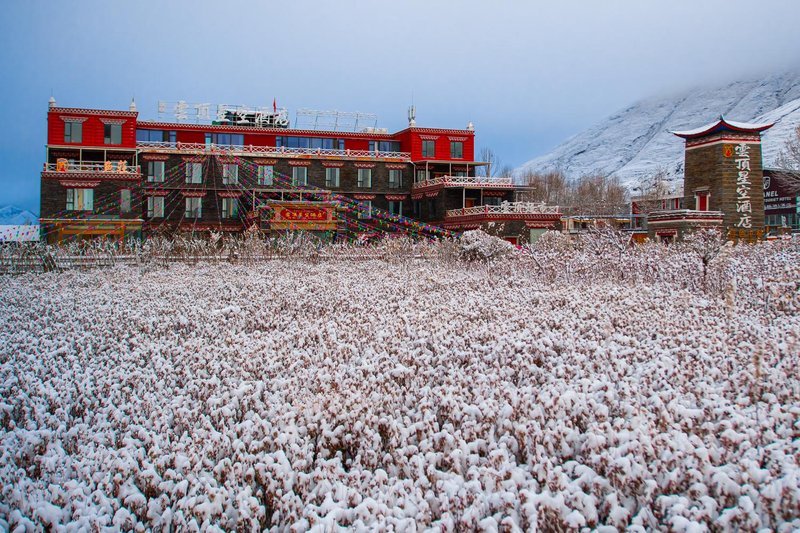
point(115, 167)
point(506, 208)
point(268, 151)
point(466, 181)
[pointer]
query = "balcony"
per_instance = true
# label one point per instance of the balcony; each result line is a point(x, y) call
point(467, 182)
point(684, 215)
point(534, 215)
point(269, 151)
point(107, 170)
point(506, 208)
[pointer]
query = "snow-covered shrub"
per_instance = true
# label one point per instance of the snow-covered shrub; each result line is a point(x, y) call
point(360, 395)
point(476, 245)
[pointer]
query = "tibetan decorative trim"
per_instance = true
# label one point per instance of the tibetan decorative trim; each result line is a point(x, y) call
point(80, 184)
point(417, 196)
point(64, 154)
point(193, 159)
point(193, 194)
point(428, 137)
point(396, 197)
point(74, 119)
point(229, 194)
point(335, 164)
point(462, 139)
point(299, 163)
point(261, 161)
point(113, 120)
point(154, 157)
point(364, 196)
point(82, 111)
point(106, 176)
point(395, 166)
point(727, 139)
point(533, 224)
point(155, 192)
point(495, 193)
point(365, 165)
point(432, 194)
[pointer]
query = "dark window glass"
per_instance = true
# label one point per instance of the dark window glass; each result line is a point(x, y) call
point(112, 134)
point(456, 149)
point(73, 132)
point(428, 148)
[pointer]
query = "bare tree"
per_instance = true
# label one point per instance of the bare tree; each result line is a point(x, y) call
point(488, 155)
point(706, 243)
point(551, 188)
point(598, 194)
point(789, 157)
point(654, 190)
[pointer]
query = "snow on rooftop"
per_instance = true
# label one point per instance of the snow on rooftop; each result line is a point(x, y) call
point(723, 123)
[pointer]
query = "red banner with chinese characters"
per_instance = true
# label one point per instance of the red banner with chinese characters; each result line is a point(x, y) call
point(301, 214)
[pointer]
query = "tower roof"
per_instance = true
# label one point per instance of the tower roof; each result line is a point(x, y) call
point(722, 125)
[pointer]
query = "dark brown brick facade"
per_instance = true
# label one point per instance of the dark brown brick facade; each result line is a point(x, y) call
point(713, 168)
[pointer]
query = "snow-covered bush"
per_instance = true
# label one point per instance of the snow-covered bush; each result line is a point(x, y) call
point(366, 395)
point(476, 245)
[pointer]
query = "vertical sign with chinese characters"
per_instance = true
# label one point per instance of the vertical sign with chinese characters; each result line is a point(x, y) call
point(744, 207)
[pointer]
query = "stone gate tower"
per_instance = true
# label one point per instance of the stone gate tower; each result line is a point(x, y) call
point(723, 172)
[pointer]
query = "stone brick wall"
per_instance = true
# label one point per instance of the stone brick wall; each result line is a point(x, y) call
point(714, 167)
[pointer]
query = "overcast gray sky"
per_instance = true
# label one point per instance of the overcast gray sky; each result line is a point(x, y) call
point(528, 74)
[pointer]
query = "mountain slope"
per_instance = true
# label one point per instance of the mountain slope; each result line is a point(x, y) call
point(635, 143)
point(14, 216)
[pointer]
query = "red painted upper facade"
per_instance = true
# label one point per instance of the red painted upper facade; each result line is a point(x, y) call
point(93, 128)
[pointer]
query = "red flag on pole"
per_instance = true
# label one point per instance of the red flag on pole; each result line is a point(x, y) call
point(274, 105)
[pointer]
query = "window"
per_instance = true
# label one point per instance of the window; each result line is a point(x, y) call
point(73, 132)
point(701, 200)
point(415, 208)
point(428, 148)
point(492, 200)
point(125, 200)
point(155, 207)
point(364, 177)
point(422, 175)
point(230, 207)
point(194, 208)
point(395, 179)
point(309, 142)
point(112, 133)
point(194, 173)
point(155, 171)
point(80, 199)
point(265, 173)
point(230, 173)
point(226, 139)
point(384, 146)
point(299, 176)
point(331, 177)
point(155, 136)
point(396, 208)
point(431, 208)
point(365, 210)
point(456, 149)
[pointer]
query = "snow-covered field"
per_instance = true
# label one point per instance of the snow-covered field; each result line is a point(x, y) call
point(406, 394)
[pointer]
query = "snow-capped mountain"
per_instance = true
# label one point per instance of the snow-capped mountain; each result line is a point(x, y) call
point(636, 142)
point(14, 216)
